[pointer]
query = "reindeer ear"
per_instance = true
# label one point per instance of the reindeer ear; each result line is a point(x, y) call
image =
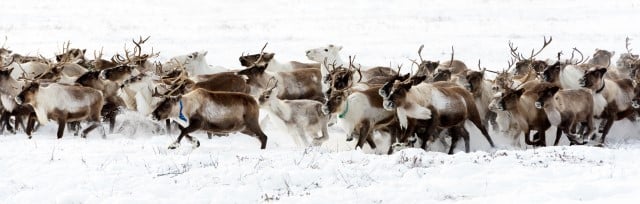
point(84, 51)
point(268, 56)
point(339, 48)
point(384, 90)
point(11, 70)
point(602, 71)
point(613, 53)
point(405, 77)
point(205, 53)
point(406, 85)
point(554, 89)
point(519, 92)
point(418, 79)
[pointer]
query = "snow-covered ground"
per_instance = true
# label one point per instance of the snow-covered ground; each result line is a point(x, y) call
point(135, 166)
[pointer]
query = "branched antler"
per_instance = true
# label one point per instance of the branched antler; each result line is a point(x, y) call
point(261, 54)
point(546, 43)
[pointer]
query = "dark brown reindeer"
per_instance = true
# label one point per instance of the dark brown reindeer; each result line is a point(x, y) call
point(63, 103)
point(566, 109)
point(218, 112)
point(444, 102)
point(267, 59)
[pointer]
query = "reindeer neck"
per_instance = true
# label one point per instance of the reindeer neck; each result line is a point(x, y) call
point(279, 107)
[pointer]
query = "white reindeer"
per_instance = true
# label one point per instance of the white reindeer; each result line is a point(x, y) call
point(302, 115)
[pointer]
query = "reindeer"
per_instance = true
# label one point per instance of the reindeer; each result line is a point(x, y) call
point(566, 109)
point(137, 58)
point(302, 115)
point(63, 103)
point(297, 84)
point(194, 63)
point(9, 88)
point(445, 102)
point(515, 114)
point(625, 63)
point(525, 65)
point(330, 56)
point(109, 89)
point(73, 55)
point(219, 112)
point(612, 98)
point(273, 64)
point(99, 64)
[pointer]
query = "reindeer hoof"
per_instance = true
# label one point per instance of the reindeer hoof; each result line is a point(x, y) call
point(174, 145)
point(29, 137)
point(349, 139)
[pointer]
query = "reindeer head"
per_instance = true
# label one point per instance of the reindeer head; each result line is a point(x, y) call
point(322, 53)
point(4, 53)
point(593, 78)
point(394, 92)
point(168, 107)
point(119, 73)
point(545, 93)
point(268, 92)
point(27, 95)
point(249, 60)
point(602, 57)
point(474, 80)
point(506, 100)
point(335, 99)
point(442, 74)
point(551, 73)
point(73, 55)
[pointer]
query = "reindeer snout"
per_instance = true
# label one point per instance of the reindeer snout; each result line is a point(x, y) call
point(635, 103)
point(582, 82)
point(18, 100)
point(389, 105)
point(103, 75)
point(325, 110)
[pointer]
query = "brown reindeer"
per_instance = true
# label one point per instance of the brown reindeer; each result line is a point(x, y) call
point(297, 84)
point(445, 102)
point(566, 109)
point(515, 109)
point(218, 112)
point(272, 64)
point(63, 103)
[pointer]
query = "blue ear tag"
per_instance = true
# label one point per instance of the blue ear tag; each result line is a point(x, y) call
point(181, 116)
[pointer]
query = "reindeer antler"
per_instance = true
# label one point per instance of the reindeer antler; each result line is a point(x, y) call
point(420, 52)
point(582, 59)
point(546, 43)
point(514, 52)
point(261, 54)
point(451, 61)
point(352, 65)
point(626, 40)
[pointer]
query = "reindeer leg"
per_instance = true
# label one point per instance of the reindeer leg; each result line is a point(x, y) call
point(61, 124)
point(607, 128)
point(527, 138)
point(194, 141)
point(93, 125)
point(302, 136)
point(252, 124)
point(31, 122)
point(455, 136)
point(365, 136)
point(194, 125)
point(475, 119)
point(167, 123)
point(558, 135)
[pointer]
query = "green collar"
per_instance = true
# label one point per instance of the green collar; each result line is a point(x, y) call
point(344, 112)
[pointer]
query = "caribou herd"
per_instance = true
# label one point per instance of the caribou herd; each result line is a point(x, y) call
point(580, 97)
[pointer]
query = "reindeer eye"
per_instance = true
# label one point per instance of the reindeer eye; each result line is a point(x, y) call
point(326, 50)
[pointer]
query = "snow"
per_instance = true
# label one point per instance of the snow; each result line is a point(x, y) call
point(135, 166)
